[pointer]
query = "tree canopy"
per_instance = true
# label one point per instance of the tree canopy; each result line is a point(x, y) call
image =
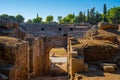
point(113, 15)
point(20, 18)
point(37, 20)
point(92, 16)
point(49, 18)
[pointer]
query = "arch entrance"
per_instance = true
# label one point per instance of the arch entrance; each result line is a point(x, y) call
point(52, 62)
point(58, 61)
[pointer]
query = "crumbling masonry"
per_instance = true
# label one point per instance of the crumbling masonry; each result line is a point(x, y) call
point(27, 54)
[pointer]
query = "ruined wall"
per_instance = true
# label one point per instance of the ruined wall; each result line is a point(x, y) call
point(34, 57)
point(11, 28)
point(52, 42)
point(39, 62)
point(21, 68)
point(38, 30)
point(96, 50)
point(14, 58)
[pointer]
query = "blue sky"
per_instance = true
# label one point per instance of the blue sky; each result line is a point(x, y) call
point(30, 8)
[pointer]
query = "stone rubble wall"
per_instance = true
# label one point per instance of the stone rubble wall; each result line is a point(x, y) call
point(14, 58)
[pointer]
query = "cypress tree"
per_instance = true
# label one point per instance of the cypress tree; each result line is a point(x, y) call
point(84, 16)
point(88, 15)
point(104, 13)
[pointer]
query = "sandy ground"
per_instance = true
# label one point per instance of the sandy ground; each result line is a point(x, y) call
point(102, 76)
point(52, 78)
point(87, 76)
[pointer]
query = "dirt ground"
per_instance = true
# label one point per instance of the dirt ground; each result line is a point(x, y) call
point(102, 76)
point(52, 78)
point(87, 76)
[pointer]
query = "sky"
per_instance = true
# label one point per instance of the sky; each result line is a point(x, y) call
point(30, 8)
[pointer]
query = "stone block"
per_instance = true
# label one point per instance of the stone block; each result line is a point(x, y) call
point(76, 65)
point(105, 25)
point(74, 54)
point(108, 64)
point(108, 68)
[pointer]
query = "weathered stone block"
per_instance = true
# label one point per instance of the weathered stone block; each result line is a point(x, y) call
point(108, 68)
point(108, 64)
point(76, 65)
point(16, 53)
point(35, 57)
point(74, 54)
point(106, 25)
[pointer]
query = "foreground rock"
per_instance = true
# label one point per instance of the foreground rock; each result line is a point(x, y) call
point(14, 58)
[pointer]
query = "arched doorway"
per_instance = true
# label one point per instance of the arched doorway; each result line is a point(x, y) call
point(58, 61)
point(49, 44)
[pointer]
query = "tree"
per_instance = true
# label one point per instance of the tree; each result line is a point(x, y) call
point(12, 18)
point(59, 18)
point(37, 20)
point(20, 18)
point(98, 17)
point(65, 20)
point(84, 17)
point(113, 15)
point(88, 15)
point(49, 18)
point(104, 13)
point(76, 19)
point(29, 21)
point(80, 17)
point(5, 16)
point(70, 18)
point(92, 16)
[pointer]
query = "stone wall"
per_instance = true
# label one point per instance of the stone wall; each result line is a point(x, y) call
point(14, 58)
point(52, 42)
point(34, 57)
point(38, 30)
point(39, 62)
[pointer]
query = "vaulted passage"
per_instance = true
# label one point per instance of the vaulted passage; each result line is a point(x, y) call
point(40, 62)
point(58, 62)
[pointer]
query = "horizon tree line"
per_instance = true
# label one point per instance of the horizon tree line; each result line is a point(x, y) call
point(92, 16)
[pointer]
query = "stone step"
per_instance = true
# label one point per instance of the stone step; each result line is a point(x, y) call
point(5, 70)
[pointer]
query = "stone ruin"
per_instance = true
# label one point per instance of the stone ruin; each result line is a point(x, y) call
point(98, 50)
point(24, 50)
